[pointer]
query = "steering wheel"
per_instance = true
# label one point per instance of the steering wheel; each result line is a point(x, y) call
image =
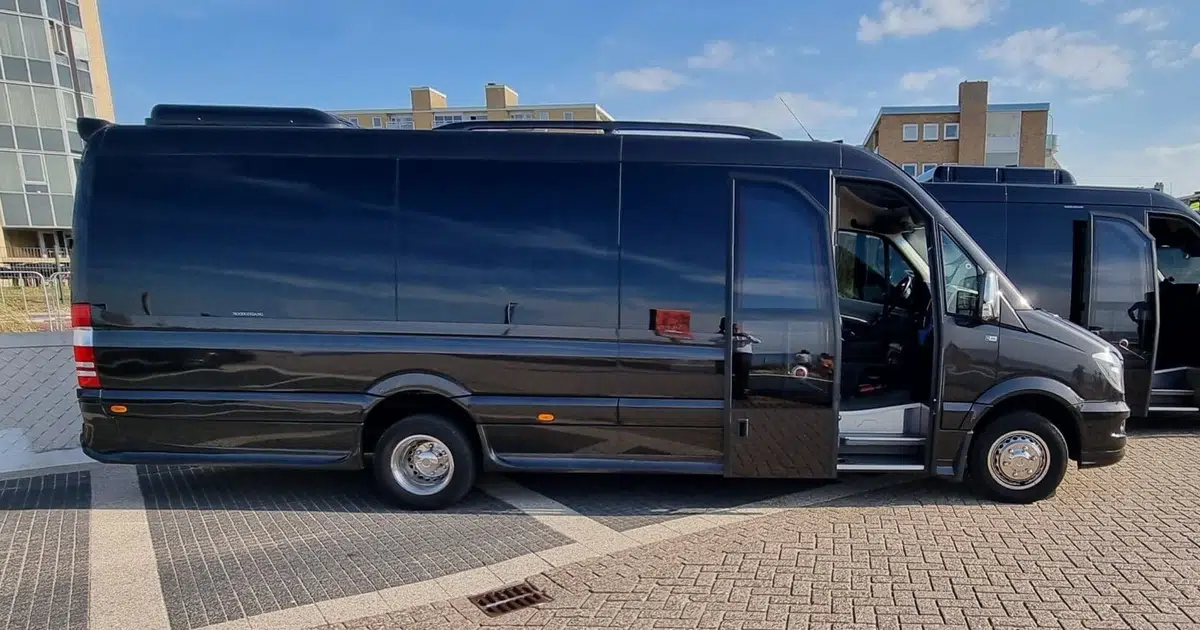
point(903, 290)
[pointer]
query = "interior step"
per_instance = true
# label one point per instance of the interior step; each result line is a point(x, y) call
point(876, 439)
point(880, 463)
point(1173, 400)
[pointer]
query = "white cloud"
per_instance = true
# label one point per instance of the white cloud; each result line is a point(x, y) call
point(770, 113)
point(725, 55)
point(717, 54)
point(920, 81)
point(1168, 54)
point(1092, 2)
point(1148, 18)
point(1050, 54)
point(653, 79)
point(908, 18)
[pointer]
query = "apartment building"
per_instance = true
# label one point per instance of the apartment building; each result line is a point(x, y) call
point(53, 70)
point(973, 131)
point(429, 109)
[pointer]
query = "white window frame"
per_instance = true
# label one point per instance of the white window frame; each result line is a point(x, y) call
point(58, 37)
point(520, 116)
point(926, 128)
point(377, 122)
point(568, 115)
point(946, 131)
point(916, 132)
point(543, 115)
point(914, 166)
point(925, 167)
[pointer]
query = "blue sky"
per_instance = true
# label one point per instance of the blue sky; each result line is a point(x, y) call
point(1122, 76)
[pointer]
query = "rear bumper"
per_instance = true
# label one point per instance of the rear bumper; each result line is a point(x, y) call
point(1102, 433)
point(223, 428)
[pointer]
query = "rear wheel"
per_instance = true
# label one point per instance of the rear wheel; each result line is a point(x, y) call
point(1020, 458)
point(424, 462)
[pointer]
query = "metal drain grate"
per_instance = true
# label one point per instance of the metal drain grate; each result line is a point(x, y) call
point(509, 599)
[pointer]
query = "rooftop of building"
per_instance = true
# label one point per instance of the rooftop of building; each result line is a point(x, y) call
point(458, 109)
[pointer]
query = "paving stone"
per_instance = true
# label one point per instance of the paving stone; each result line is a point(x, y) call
point(44, 552)
point(1117, 547)
point(233, 543)
point(624, 502)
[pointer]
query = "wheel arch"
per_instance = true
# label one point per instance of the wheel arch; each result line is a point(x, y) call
point(1047, 397)
point(401, 395)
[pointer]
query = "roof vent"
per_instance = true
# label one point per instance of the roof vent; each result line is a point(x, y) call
point(242, 116)
point(510, 599)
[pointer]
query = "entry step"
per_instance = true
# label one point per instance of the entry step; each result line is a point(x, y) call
point(876, 439)
point(880, 463)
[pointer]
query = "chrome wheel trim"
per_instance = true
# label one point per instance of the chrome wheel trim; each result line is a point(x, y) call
point(422, 464)
point(1019, 460)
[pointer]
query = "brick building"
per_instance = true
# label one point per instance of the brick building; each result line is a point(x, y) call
point(973, 131)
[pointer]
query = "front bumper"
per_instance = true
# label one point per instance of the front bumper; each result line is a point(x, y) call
point(1102, 433)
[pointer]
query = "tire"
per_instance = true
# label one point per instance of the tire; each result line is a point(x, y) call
point(1039, 435)
point(435, 435)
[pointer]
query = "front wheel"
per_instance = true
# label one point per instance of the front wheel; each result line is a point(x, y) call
point(1020, 458)
point(424, 462)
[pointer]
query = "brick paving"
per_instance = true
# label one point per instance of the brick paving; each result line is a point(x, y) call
point(44, 552)
point(235, 543)
point(38, 410)
point(1116, 548)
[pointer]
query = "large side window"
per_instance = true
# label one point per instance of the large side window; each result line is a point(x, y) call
point(961, 277)
point(519, 243)
point(244, 236)
point(1121, 276)
point(782, 253)
point(674, 248)
point(868, 267)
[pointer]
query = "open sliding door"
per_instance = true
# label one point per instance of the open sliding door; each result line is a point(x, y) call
point(1122, 299)
point(782, 341)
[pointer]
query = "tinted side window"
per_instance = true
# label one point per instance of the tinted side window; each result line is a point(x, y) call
point(530, 243)
point(783, 259)
point(1121, 276)
point(674, 246)
point(1040, 253)
point(285, 237)
point(960, 274)
point(987, 224)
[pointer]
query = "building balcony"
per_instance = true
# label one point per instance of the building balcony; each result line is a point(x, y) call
point(35, 254)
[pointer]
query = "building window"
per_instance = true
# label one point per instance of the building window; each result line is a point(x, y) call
point(568, 115)
point(520, 116)
point(931, 131)
point(400, 121)
point(928, 166)
point(950, 132)
point(377, 122)
point(911, 169)
point(910, 133)
point(446, 119)
point(58, 37)
point(543, 115)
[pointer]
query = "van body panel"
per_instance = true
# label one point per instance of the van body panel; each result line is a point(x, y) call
point(256, 293)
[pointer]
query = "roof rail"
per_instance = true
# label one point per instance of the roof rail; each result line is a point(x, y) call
point(975, 174)
point(608, 126)
point(242, 116)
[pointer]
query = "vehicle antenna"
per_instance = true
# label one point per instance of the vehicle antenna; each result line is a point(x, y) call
point(789, 108)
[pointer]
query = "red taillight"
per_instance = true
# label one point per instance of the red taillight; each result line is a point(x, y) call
point(85, 351)
point(81, 315)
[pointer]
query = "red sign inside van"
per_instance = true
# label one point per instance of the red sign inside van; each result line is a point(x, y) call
point(675, 324)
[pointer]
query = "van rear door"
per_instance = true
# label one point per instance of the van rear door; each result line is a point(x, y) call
point(1122, 298)
point(782, 341)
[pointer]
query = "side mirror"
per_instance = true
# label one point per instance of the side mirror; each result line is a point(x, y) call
point(989, 303)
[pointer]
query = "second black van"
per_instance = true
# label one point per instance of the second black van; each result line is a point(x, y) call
point(273, 288)
point(1122, 262)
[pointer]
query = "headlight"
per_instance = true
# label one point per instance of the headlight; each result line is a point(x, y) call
point(1112, 366)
